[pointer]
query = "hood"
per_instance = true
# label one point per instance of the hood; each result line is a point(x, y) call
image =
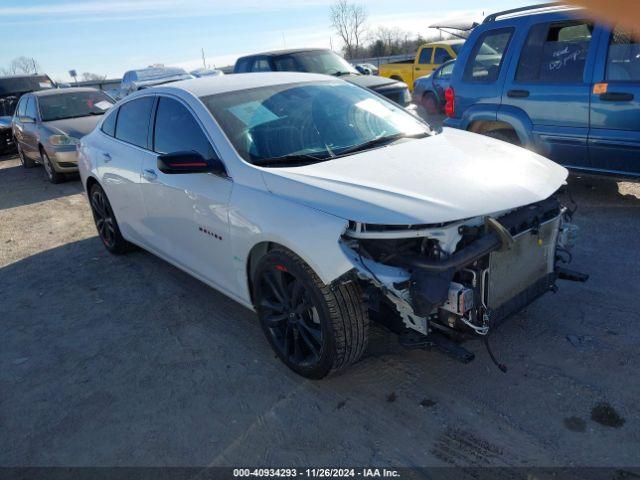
point(373, 82)
point(74, 127)
point(446, 177)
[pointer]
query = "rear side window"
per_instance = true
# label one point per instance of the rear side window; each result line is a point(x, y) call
point(441, 56)
point(623, 59)
point(243, 65)
point(133, 121)
point(261, 65)
point(446, 71)
point(555, 52)
point(109, 124)
point(487, 55)
point(22, 107)
point(425, 55)
point(176, 130)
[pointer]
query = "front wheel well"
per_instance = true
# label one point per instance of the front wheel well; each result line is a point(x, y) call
point(258, 251)
point(91, 181)
point(485, 126)
point(396, 77)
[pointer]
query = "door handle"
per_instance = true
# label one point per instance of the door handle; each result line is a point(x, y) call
point(518, 93)
point(616, 97)
point(149, 175)
point(106, 157)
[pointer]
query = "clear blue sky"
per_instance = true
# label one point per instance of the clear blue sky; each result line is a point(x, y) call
point(111, 36)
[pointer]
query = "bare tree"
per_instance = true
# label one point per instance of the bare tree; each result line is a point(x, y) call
point(88, 76)
point(349, 21)
point(25, 65)
point(392, 40)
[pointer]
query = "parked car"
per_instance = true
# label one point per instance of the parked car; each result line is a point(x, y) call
point(314, 60)
point(560, 85)
point(207, 72)
point(11, 89)
point(428, 57)
point(428, 91)
point(295, 194)
point(48, 124)
point(371, 67)
point(362, 69)
point(134, 80)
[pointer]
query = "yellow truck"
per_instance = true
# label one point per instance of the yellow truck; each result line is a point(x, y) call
point(428, 57)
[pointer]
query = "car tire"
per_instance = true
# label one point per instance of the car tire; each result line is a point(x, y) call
point(430, 104)
point(106, 223)
point(52, 175)
point(315, 329)
point(508, 136)
point(25, 161)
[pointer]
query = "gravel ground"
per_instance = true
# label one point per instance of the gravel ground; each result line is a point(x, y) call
point(128, 361)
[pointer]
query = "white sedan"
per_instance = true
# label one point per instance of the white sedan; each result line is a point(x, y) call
point(316, 202)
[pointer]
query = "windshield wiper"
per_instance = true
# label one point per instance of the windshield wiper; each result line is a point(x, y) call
point(290, 160)
point(378, 142)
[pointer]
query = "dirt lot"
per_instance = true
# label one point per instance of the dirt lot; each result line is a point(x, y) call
point(128, 361)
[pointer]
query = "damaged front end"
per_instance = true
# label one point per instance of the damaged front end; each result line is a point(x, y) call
point(463, 277)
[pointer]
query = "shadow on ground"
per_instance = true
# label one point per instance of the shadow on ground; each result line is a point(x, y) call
point(30, 185)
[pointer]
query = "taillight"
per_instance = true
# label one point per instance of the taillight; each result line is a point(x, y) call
point(450, 102)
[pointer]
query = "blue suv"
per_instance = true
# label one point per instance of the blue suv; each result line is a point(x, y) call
point(550, 79)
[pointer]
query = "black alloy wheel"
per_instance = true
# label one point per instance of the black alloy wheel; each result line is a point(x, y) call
point(291, 318)
point(315, 329)
point(105, 221)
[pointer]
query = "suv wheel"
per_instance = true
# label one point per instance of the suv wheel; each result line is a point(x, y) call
point(105, 221)
point(52, 175)
point(314, 329)
point(25, 161)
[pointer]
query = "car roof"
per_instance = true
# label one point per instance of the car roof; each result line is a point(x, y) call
point(543, 9)
point(204, 86)
point(60, 91)
point(276, 53)
point(453, 41)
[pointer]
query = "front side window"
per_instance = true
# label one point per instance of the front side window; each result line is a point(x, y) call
point(308, 122)
point(623, 59)
point(176, 130)
point(132, 125)
point(441, 56)
point(486, 58)
point(555, 52)
point(73, 105)
point(425, 56)
point(30, 110)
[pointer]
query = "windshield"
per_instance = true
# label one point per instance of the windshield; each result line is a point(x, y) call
point(73, 104)
point(316, 61)
point(308, 122)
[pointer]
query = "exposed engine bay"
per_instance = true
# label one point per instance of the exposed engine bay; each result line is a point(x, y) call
point(463, 277)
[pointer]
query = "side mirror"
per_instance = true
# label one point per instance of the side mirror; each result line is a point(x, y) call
point(27, 120)
point(189, 162)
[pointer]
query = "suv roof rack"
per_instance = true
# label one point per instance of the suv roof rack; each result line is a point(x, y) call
point(494, 16)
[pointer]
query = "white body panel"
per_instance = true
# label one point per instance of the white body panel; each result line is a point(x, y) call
point(442, 178)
